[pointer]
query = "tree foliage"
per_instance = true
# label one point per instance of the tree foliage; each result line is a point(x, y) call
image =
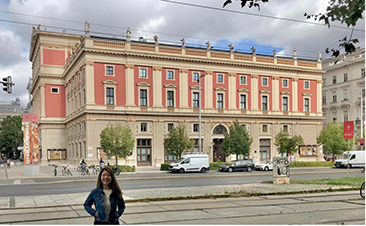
point(347, 12)
point(177, 141)
point(332, 139)
point(117, 141)
point(237, 141)
point(287, 144)
point(11, 135)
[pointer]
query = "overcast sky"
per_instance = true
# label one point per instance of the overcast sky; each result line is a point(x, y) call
point(170, 22)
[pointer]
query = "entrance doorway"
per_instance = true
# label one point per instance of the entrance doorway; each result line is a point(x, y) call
point(217, 150)
point(264, 150)
point(143, 152)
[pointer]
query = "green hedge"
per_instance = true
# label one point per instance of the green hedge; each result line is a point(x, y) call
point(312, 164)
point(164, 166)
point(125, 168)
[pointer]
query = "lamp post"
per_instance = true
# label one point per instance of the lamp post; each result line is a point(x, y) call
point(361, 119)
point(199, 111)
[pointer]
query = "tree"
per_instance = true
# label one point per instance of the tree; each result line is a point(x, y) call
point(287, 144)
point(117, 141)
point(11, 135)
point(237, 141)
point(177, 141)
point(332, 139)
point(343, 11)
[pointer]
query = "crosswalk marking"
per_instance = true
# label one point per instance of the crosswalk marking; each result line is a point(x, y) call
point(16, 181)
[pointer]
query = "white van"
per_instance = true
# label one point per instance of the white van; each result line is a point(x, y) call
point(353, 158)
point(191, 163)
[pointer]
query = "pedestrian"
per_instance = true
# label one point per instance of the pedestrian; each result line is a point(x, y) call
point(101, 163)
point(8, 163)
point(107, 198)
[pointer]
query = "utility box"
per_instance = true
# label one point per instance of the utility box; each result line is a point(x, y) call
point(281, 170)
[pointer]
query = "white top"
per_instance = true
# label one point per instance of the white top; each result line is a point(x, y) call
point(107, 203)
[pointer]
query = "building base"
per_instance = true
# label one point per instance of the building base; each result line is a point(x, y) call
point(31, 170)
point(281, 180)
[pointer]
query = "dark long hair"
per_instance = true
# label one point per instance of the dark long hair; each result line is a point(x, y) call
point(113, 185)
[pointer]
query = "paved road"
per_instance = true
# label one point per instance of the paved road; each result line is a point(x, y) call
point(131, 183)
point(325, 208)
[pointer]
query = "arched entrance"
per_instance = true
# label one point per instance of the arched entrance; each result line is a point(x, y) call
point(217, 147)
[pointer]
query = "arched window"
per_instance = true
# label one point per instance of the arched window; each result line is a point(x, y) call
point(220, 129)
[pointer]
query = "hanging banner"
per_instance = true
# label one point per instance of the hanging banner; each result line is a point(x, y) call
point(348, 130)
point(30, 139)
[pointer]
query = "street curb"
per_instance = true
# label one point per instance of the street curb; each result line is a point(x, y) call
point(168, 178)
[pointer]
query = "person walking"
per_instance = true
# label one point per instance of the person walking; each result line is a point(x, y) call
point(107, 198)
point(101, 163)
point(8, 163)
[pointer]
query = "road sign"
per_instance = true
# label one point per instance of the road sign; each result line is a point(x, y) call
point(348, 130)
point(362, 141)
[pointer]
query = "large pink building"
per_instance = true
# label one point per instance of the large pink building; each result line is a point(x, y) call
point(81, 84)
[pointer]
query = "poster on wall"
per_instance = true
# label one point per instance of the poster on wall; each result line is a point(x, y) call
point(30, 139)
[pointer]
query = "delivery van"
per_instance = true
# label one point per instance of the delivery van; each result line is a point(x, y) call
point(191, 163)
point(351, 158)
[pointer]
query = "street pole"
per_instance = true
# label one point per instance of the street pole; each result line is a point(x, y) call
point(199, 112)
point(361, 119)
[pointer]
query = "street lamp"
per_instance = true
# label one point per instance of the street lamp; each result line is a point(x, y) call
point(199, 111)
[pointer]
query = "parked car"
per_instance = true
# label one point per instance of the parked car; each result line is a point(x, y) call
point(351, 159)
point(191, 163)
point(238, 166)
point(264, 166)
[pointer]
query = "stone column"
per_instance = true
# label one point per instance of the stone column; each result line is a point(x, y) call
point(130, 86)
point(254, 92)
point(295, 107)
point(208, 84)
point(319, 97)
point(183, 88)
point(232, 92)
point(158, 87)
point(89, 83)
point(275, 94)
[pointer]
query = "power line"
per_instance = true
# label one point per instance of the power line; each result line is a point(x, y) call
point(254, 14)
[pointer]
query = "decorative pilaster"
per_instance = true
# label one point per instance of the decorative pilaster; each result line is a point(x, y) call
point(275, 94)
point(295, 106)
point(43, 104)
point(183, 87)
point(89, 83)
point(232, 91)
point(254, 91)
point(158, 88)
point(130, 86)
point(208, 84)
point(319, 96)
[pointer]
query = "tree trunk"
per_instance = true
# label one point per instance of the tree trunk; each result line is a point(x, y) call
point(116, 161)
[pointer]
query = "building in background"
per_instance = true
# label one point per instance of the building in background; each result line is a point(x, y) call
point(343, 86)
point(11, 108)
point(82, 83)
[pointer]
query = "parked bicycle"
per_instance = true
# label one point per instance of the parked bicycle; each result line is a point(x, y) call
point(362, 189)
point(55, 167)
point(115, 170)
point(66, 171)
point(95, 169)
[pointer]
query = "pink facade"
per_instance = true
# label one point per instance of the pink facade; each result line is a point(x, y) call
point(312, 97)
point(262, 87)
point(55, 104)
point(196, 83)
point(246, 86)
point(284, 89)
point(54, 57)
point(148, 79)
point(174, 81)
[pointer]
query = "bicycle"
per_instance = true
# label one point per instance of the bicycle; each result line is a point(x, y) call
point(54, 169)
point(85, 170)
point(66, 171)
point(362, 189)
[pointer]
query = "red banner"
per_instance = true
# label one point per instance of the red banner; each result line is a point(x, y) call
point(348, 130)
point(30, 139)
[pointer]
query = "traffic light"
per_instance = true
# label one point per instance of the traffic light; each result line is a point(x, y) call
point(8, 85)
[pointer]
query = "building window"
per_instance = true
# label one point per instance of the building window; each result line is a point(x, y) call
point(264, 149)
point(324, 98)
point(306, 104)
point(220, 100)
point(285, 128)
point(334, 79)
point(170, 126)
point(195, 100)
point(143, 127)
point(284, 103)
point(345, 116)
point(363, 73)
point(284, 83)
point(244, 126)
point(170, 99)
point(334, 116)
point(324, 82)
point(143, 73)
point(345, 94)
point(264, 81)
point(264, 103)
point(196, 147)
point(243, 102)
point(265, 128)
point(307, 85)
point(84, 96)
point(196, 76)
point(110, 96)
point(220, 78)
point(143, 97)
point(243, 80)
point(170, 75)
point(109, 70)
point(334, 97)
point(345, 77)
point(54, 90)
point(195, 127)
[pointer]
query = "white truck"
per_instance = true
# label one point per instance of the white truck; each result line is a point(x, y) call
point(191, 163)
point(351, 159)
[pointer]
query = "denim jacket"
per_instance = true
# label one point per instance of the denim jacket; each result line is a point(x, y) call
point(96, 197)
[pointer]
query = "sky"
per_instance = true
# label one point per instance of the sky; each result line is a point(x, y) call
point(204, 21)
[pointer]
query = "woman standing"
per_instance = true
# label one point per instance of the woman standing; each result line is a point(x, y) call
point(107, 197)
